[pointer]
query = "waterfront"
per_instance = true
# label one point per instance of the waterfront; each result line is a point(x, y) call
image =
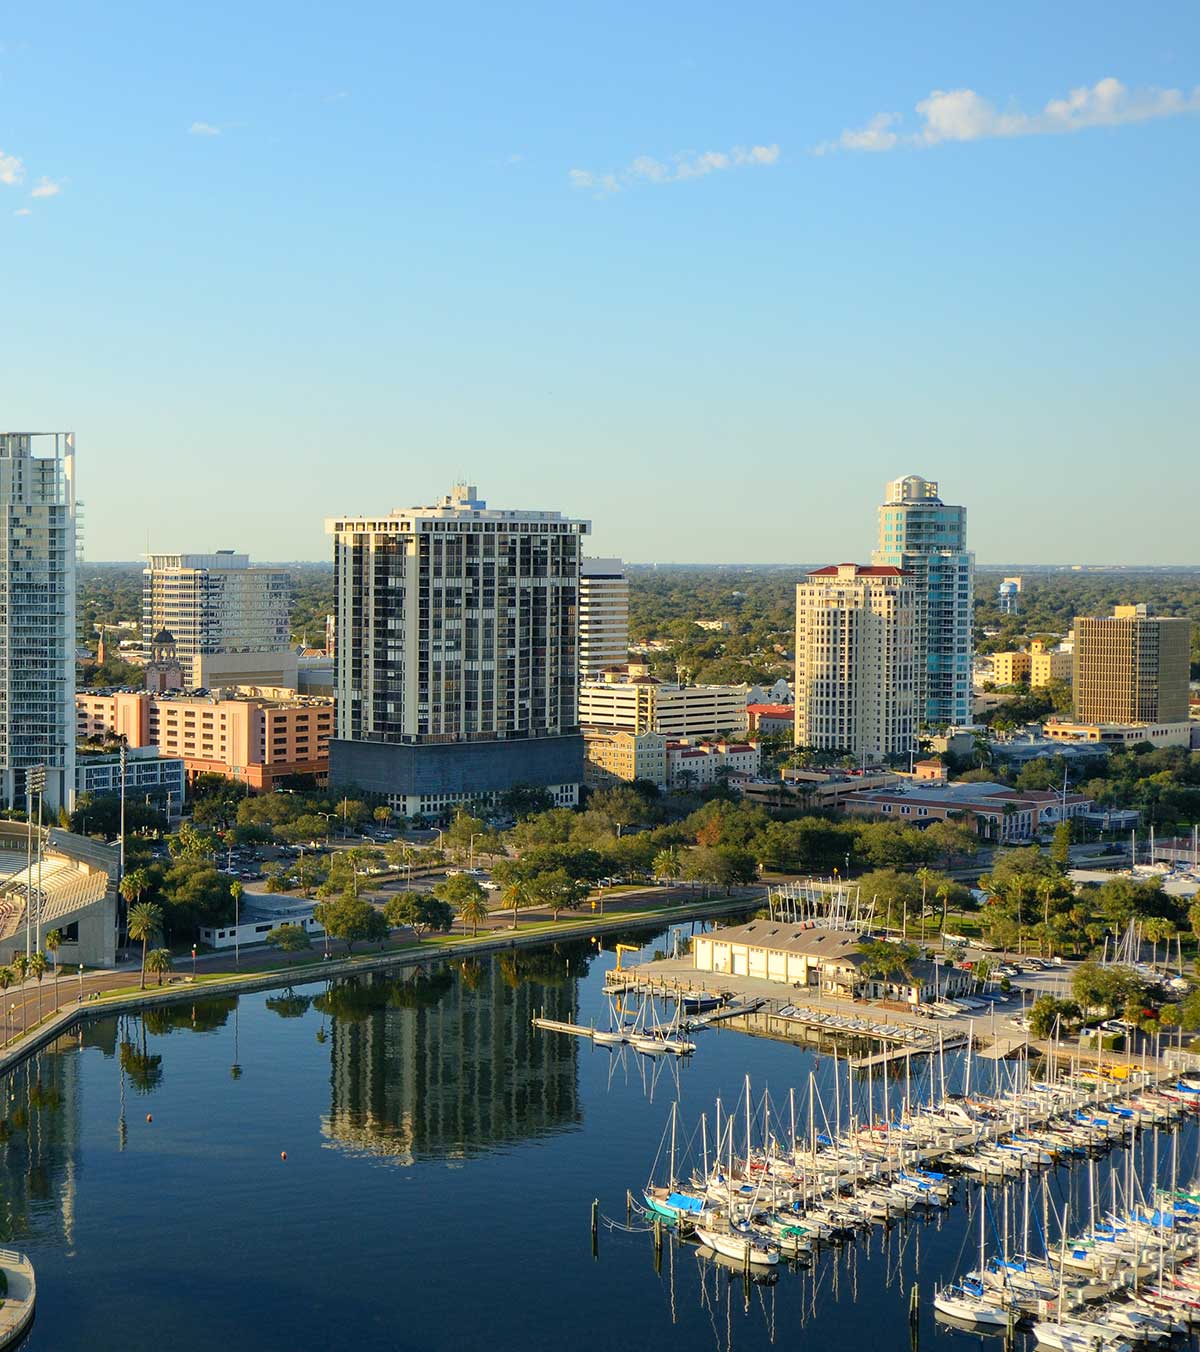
point(442, 1157)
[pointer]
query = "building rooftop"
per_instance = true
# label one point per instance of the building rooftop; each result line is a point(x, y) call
point(857, 570)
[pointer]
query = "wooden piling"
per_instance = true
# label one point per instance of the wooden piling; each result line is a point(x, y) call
point(596, 1227)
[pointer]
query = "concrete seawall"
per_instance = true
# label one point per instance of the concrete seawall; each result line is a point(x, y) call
point(502, 942)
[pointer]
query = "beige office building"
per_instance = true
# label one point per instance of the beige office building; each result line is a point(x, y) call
point(858, 680)
point(231, 623)
point(1048, 664)
point(612, 756)
point(603, 616)
point(630, 699)
point(1131, 667)
point(1010, 668)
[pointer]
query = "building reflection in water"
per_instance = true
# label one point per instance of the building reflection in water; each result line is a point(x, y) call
point(39, 1147)
point(444, 1061)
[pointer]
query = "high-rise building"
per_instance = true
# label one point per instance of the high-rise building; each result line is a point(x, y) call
point(37, 615)
point(231, 623)
point(603, 616)
point(457, 668)
point(927, 538)
point(857, 657)
point(1131, 667)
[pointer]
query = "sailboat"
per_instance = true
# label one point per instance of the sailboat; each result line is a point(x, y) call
point(967, 1300)
point(670, 1202)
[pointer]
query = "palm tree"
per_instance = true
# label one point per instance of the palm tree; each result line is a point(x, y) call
point(925, 874)
point(53, 944)
point(945, 890)
point(1047, 889)
point(20, 965)
point(474, 912)
point(37, 967)
point(159, 960)
point(131, 887)
point(667, 864)
point(516, 895)
point(143, 922)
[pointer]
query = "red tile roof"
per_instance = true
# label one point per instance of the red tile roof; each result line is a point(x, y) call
point(860, 570)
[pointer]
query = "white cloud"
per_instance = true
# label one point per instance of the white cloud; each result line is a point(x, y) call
point(11, 169)
point(646, 169)
point(964, 115)
point(204, 129)
point(22, 211)
point(46, 187)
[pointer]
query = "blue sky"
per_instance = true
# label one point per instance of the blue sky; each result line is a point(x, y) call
point(706, 274)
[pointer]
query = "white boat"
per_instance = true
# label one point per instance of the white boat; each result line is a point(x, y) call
point(959, 1302)
point(735, 1244)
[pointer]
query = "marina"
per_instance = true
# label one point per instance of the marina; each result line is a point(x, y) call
point(401, 1099)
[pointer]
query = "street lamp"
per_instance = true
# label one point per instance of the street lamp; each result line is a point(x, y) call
point(193, 962)
point(81, 983)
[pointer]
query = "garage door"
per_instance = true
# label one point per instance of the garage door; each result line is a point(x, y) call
point(720, 958)
point(758, 962)
point(739, 962)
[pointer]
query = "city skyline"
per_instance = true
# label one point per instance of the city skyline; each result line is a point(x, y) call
point(517, 248)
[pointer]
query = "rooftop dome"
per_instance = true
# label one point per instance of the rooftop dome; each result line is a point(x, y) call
point(163, 636)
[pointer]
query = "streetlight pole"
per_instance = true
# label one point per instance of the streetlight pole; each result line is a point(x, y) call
point(81, 983)
point(37, 781)
point(193, 962)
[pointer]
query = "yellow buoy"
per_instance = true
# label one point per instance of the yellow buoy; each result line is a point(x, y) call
point(283, 1154)
point(149, 1117)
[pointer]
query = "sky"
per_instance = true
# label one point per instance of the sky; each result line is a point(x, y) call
point(707, 275)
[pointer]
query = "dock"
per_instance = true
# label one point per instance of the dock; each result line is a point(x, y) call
point(761, 1009)
point(19, 1298)
point(559, 1026)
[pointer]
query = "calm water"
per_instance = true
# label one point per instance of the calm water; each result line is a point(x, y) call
point(441, 1162)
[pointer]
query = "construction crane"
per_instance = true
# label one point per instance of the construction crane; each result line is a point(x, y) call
point(626, 948)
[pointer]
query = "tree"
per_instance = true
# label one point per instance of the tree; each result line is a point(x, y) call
point(667, 864)
point(516, 894)
point(891, 891)
point(1060, 846)
point(53, 943)
point(419, 911)
point(7, 977)
point(376, 928)
point(133, 884)
point(1105, 987)
point(143, 922)
point(347, 918)
point(950, 841)
point(559, 890)
point(473, 911)
point(461, 891)
point(1048, 1012)
point(159, 961)
point(525, 800)
point(289, 938)
point(461, 833)
point(382, 814)
point(20, 965)
point(37, 966)
point(880, 958)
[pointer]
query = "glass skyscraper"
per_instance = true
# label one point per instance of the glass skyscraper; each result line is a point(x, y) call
point(37, 615)
point(928, 538)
